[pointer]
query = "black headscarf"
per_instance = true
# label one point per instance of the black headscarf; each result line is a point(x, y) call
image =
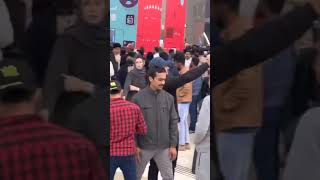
point(92, 35)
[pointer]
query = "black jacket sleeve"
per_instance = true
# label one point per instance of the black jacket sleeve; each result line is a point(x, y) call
point(259, 44)
point(174, 83)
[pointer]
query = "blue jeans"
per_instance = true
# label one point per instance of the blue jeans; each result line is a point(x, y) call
point(127, 164)
point(183, 109)
point(266, 151)
point(235, 153)
point(193, 110)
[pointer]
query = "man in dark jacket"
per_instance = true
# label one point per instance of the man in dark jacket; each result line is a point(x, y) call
point(161, 140)
point(171, 85)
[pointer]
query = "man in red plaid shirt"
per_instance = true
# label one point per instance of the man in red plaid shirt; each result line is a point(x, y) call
point(31, 148)
point(126, 120)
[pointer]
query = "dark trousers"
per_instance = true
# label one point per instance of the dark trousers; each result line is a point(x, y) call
point(127, 164)
point(193, 112)
point(153, 169)
point(266, 149)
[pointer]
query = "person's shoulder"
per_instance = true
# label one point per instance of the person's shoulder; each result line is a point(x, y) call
point(130, 105)
point(312, 113)
point(206, 99)
point(168, 95)
point(71, 139)
point(310, 119)
point(141, 93)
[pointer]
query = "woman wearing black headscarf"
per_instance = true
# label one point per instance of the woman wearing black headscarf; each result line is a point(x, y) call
point(78, 63)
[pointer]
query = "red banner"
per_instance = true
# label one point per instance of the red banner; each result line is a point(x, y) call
point(175, 24)
point(149, 24)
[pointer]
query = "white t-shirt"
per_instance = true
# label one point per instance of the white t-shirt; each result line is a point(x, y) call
point(187, 62)
point(156, 55)
point(111, 70)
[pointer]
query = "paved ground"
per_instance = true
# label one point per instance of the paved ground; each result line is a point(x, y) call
point(183, 169)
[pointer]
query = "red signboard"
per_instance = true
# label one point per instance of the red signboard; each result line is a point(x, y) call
point(149, 24)
point(175, 24)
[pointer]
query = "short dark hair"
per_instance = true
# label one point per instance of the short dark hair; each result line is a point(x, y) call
point(140, 56)
point(188, 50)
point(149, 56)
point(232, 4)
point(116, 45)
point(171, 51)
point(16, 95)
point(152, 71)
point(179, 57)
point(132, 54)
point(156, 49)
point(164, 55)
point(195, 61)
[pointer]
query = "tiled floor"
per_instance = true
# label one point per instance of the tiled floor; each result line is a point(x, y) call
point(183, 169)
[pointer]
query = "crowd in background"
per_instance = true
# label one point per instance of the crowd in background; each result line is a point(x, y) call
point(185, 84)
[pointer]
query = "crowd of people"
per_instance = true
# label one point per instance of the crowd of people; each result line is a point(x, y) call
point(153, 96)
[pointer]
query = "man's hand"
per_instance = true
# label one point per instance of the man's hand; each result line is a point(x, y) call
point(138, 158)
point(134, 88)
point(74, 84)
point(172, 153)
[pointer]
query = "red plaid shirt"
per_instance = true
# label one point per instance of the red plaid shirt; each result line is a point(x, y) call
point(32, 149)
point(126, 120)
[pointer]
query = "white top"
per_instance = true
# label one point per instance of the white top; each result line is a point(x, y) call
point(6, 32)
point(202, 133)
point(156, 55)
point(111, 70)
point(187, 62)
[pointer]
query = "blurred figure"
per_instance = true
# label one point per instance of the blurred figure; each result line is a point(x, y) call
point(77, 66)
point(173, 72)
point(156, 52)
point(188, 57)
point(126, 121)
point(184, 98)
point(32, 143)
point(126, 68)
point(202, 142)
point(278, 81)
point(116, 51)
point(196, 88)
point(237, 102)
point(136, 79)
point(6, 34)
